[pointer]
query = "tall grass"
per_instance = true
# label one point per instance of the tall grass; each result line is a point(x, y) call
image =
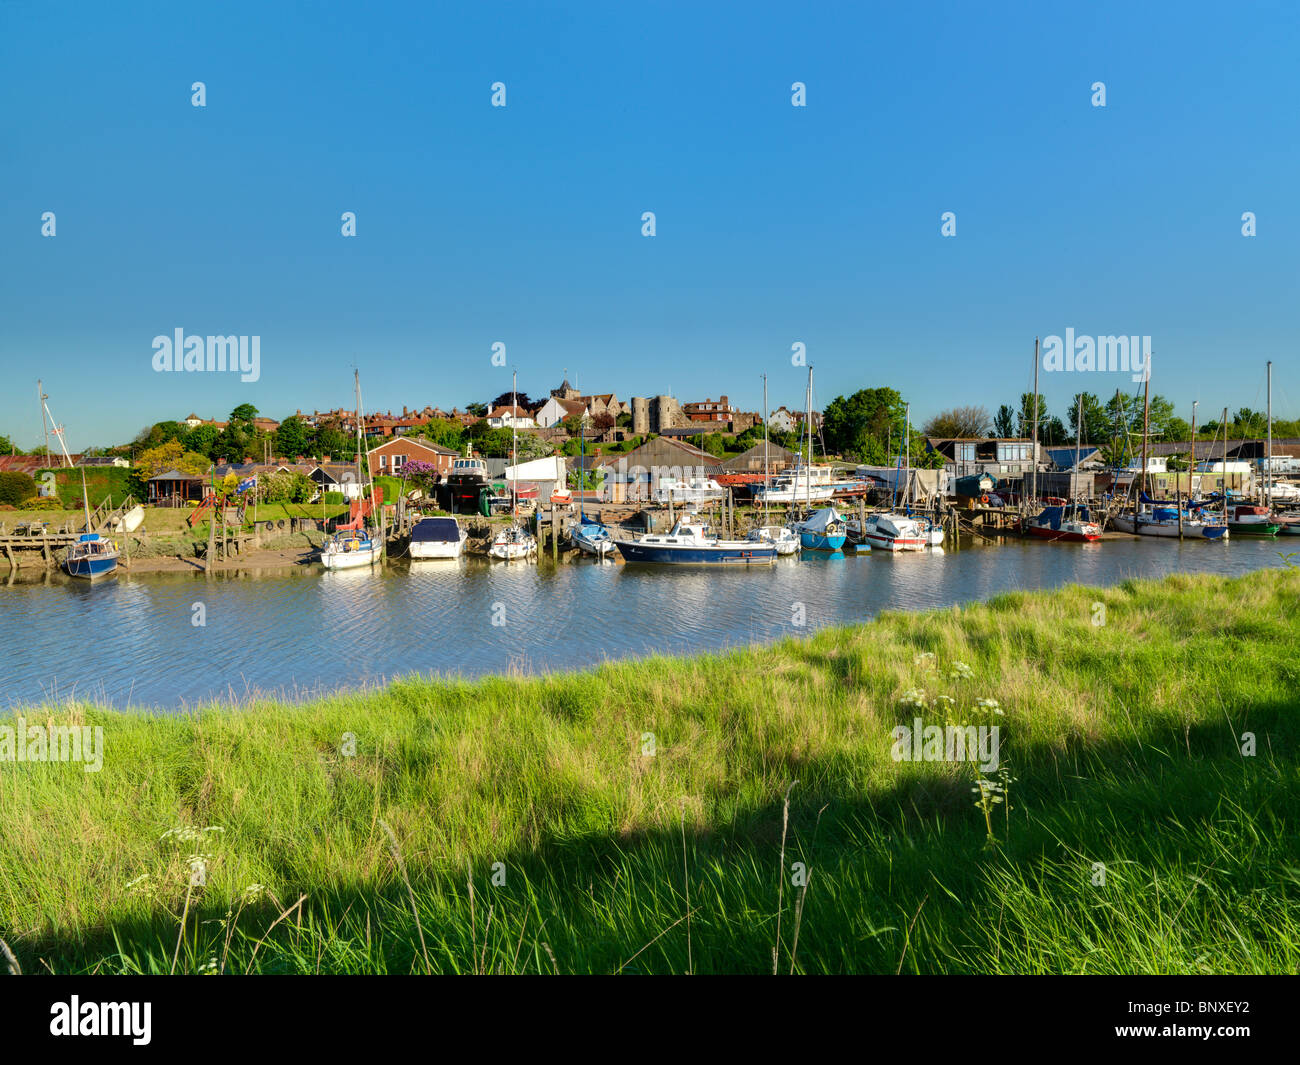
point(634, 818)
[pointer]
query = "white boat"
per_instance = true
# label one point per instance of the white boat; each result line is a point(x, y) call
point(786, 541)
point(803, 484)
point(889, 532)
point(689, 543)
point(591, 538)
point(437, 538)
point(932, 530)
point(1163, 522)
point(695, 490)
point(350, 549)
point(512, 544)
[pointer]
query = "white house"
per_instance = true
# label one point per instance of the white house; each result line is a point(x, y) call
point(555, 410)
point(511, 418)
point(782, 420)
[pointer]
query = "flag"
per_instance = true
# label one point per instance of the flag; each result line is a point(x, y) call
point(244, 486)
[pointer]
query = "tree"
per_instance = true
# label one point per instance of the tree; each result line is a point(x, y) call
point(170, 456)
point(7, 446)
point(574, 423)
point(1025, 418)
point(446, 432)
point(603, 422)
point(16, 488)
point(294, 437)
point(1004, 425)
point(479, 410)
point(518, 399)
point(863, 423)
point(202, 439)
point(959, 421)
point(714, 444)
point(244, 414)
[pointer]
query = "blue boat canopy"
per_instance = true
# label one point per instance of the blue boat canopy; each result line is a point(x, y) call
point(88, 537)
point(436, 530)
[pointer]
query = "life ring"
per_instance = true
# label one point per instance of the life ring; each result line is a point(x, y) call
point(984, 499)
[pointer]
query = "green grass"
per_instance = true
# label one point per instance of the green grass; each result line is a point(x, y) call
point(1124, 739)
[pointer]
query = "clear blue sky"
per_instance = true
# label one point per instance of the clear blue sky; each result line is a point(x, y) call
point(523, 225)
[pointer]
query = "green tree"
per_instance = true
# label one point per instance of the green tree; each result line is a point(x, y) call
point(294, 437)
point(16, 488)
point(864, 423)
point(1004, 423)
point(7, 446)
point(446, 432)
point(244, 414)
point(202, 439)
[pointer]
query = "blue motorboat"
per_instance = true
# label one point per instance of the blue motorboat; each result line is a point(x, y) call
point(823, 530)
point(90, 557)
point(591, 537)
point(689, 544)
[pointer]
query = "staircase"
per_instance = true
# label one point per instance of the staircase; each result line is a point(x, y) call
point(105, 516)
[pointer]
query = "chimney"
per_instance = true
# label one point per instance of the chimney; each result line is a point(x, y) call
point(324, 458)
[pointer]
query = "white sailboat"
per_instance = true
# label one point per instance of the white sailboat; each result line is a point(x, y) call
point(515, 542)
point(353, 546)
point(897, 530)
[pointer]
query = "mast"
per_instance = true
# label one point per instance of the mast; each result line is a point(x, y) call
point(808, 465)
point(514, 453)
point(45, 425)
point(1268, 455)
point(1146, 424)
point(1191, 465)
point(907, 453)
point(1223, 467)
point(1078, 436)
point(1033, 478)
point(767, 484)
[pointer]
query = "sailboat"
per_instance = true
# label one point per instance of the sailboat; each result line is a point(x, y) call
point(895, 530)
point(352, 546)
point(1073, 522)
point(514, 542)
point(1245, 519)
point(784, 540)
point(92, 555)
point(590, 537)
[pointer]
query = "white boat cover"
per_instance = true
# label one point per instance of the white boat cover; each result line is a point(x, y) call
point(820, 519)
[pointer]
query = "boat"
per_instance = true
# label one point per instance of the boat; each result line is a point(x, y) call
point(353, 546)
point(90, 557)
point(933, 531)
point(695, 490)
point(889, 532)
point(512, 544)
point(1247, 520)
point(823, 530)
point(784, 539)
point(795, 486)
point(437, 538)
point(591, 538)
point(689, 544)
point(1072, 523)
point(350, 549)
point(1163, 522)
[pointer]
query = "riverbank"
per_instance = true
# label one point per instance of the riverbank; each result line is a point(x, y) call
point(633, 818)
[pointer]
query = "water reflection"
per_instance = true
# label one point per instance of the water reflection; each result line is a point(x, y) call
point(137, 640)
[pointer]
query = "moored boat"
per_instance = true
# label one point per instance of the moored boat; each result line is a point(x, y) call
point(1163, 522)
point(889, 532)
point(350, 549)
point(823, 530)
point(1072, 523)
point(437, 538)
point(1247, 520)
point(591, 538)
point(512, 544)
point(780, 537)
point(689, 544)
point(90, 557)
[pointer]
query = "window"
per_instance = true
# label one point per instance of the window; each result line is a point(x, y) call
point(398, 462)
point(966, 452)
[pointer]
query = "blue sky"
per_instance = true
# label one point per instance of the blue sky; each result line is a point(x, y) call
point(522, 224)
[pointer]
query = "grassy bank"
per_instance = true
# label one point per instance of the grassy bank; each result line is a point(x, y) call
point(535, 825)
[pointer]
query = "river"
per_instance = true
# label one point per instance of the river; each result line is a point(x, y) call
point(135, 641)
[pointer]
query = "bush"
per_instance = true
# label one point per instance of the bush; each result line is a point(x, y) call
point(16, 487)
point(334, 498)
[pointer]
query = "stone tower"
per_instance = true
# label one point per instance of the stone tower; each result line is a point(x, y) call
point(640, 415)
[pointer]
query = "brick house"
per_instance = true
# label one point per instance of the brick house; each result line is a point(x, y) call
point(390, 456)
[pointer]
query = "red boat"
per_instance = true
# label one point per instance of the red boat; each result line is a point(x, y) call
point(1073, 524)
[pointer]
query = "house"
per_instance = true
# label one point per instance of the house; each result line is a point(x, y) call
point(174, 489)
point(999, 456)
point(710, 410)
point(29, 464)
point(105, 460)
point(606, 403)
point(338, 477)
point(1062, 458)
point(507, 417)
point(191, 421)
point(555, 410)
point(390, 456)
point(635, 476)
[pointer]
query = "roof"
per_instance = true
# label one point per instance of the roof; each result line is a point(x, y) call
point(1063, 457)
point(414, 441)
point(775, 453)
point(503, 411)
point(177, 475)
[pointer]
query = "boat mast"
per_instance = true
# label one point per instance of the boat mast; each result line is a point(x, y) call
point(514, 452)
point(1078, 436)
point(1191, 464)
point(1223, 466)
point(1033, 477)
point(808, 464)
point(767, 485)
point(1146, 424)
point(907, 453)
point(45, 424)
point(1268, 455)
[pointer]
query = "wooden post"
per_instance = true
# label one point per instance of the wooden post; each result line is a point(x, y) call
point(212, 543)
point(555, 534)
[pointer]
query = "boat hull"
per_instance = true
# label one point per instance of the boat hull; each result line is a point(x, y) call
point(822, 541)
point(358, 559)
point(1254, 528)
point(1064, 535)
point(1170, 531)
point(754, 554)
point(430, 549)
point(90, 568)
